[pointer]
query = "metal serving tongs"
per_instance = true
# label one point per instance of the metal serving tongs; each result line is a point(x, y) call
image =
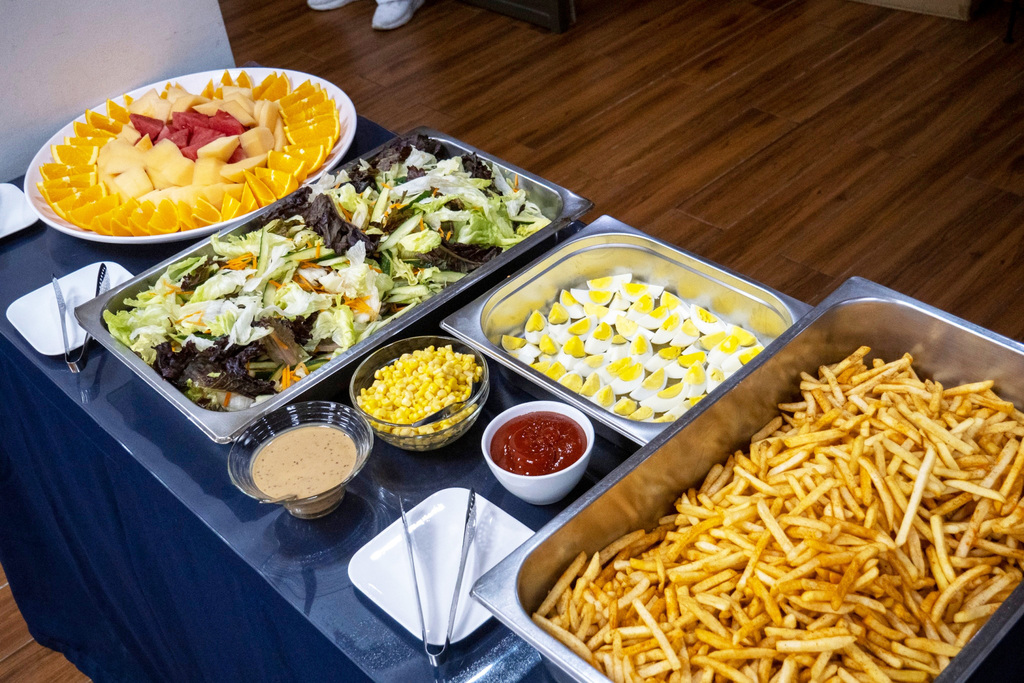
point(436, 654)
point(101, 286)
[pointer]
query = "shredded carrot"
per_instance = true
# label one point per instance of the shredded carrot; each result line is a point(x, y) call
point(241, 262)
point(359, 305)
point(304, 283)
point(317, 254)
point(275, 283)
point(433, 192)
point(516, 186)
point(346, 214)
point(286, 378)
point(227, 399)
point(190, 315)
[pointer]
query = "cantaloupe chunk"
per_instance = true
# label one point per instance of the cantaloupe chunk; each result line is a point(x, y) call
point(145, 105)
point(256, 141)
point(229, 90)
point(221, 148)
point(133, 183)
point(129, 134)
point(235, 108)
point(118, 156)
point(268, 114)
point(214, 193)
point(162, 110)
point(165, 160)
point(207, 171)
point(145, 143)
point(280, 139)
point(247, 104)
point(209, 108)
point(186, 102)
point(235, 172)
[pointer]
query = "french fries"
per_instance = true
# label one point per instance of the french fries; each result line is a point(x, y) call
point(866, 534)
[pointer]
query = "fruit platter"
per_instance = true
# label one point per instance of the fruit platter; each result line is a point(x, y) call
point(189, 156)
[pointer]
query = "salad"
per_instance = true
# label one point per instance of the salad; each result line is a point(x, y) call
point(325, 268)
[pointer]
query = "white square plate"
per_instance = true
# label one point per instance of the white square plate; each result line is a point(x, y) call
point(36, 316)
point(15, 212)
point(380, 569)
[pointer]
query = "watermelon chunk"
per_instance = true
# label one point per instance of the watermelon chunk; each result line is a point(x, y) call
point(190, 120)
point(147, 125)
point(237, 155)
point(179, 136)
point(225, 123)
point(202, 136)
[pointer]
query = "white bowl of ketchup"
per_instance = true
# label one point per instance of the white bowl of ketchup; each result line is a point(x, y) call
point(539, 450)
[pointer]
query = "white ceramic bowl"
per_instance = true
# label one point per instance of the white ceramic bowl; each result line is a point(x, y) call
point(545, 488)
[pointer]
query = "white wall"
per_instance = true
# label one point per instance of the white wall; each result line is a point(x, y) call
point(59, 57)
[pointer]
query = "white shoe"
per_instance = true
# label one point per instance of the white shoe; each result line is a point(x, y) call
point(394, 13)
point(327, 4)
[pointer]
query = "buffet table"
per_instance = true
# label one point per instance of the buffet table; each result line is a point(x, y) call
point(128, 549)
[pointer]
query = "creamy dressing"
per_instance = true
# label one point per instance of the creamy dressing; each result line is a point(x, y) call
point(304, 461)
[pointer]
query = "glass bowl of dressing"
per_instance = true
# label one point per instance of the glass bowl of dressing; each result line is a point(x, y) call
point(301, 456)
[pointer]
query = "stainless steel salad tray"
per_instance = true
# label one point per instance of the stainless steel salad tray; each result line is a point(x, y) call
point(557, 203)
point(644, 488)
point(605, 247)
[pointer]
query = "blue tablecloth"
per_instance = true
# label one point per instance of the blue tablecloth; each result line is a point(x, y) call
point(128, 549)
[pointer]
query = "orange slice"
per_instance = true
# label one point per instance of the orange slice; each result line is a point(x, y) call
point(230, 208)
point(205, 213)
point(74, 155)
point(138, 221)
point(292, 105)
point(313, 155)
point(304, 90)
point(76, 183)
point(184, 212)
point(101, 122)
point(276, 90)
point(243, 80)
point(263, 194)
point(226, 79)
point(279, 161)
point(117, 113)
point(279, 182)
point(235, 190)
point(248, 201)
point(128, 99)
point(310, 112)
point(101, 224)
point(164, 219)
point(55, 194)
point(65, 206)
point(54, 171)
point(208, 90)
point(325, 122)
point(84, 130)
point(85, 142)
point(84, 215)
point(119, 227)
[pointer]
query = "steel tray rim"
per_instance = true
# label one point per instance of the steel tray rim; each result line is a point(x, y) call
point(465, 325)
point(497, 589)
point(224, 427)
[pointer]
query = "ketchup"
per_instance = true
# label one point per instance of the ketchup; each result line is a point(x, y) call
point(538, 443)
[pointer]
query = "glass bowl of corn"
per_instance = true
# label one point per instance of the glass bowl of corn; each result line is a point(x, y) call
point(410, 380)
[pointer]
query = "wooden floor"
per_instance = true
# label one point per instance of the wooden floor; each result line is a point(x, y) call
point(797, 141)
